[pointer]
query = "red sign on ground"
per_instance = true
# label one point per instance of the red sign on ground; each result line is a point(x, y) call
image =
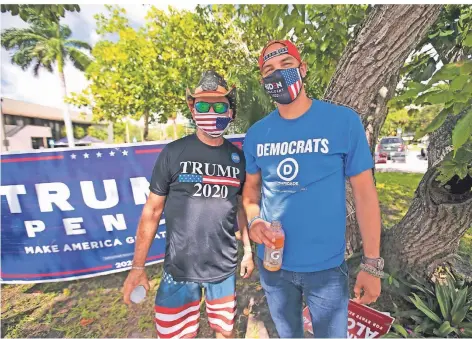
point(363, 321)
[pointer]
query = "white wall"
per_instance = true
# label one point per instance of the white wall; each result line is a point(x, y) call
point(21, 141)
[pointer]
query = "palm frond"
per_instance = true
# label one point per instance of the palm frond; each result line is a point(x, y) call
point(18, 38)
point(78, 58)
point(64, 32)
point(78, 44)
point(36, 68)
point(23, 57)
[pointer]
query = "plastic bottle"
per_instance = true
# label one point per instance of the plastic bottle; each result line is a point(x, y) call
point(273, 257)
point(138, 294)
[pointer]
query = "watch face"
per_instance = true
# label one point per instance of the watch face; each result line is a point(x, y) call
point(380, 264)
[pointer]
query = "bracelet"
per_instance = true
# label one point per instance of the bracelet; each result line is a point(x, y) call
point(372, 270)
point(252, 220)
point(138, 267)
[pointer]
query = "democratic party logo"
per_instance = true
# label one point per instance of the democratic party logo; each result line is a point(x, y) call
point(235, 158)
point(287, 169)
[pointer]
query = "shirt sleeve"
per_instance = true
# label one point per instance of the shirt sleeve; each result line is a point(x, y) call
point(359, 157)
point(161, 178)
point(249, 154)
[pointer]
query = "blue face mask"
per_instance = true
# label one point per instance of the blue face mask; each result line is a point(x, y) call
point(284, 85)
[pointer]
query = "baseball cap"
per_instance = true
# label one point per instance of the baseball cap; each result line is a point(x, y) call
point(289, 48)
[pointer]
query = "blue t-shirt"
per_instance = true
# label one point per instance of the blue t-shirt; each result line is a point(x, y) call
point(304, 163)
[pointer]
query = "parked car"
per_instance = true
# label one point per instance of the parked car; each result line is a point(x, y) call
point(394, 147)
point(380, 158)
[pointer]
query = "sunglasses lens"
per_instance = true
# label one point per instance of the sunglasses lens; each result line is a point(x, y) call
point(220, 107)
point(202, 107)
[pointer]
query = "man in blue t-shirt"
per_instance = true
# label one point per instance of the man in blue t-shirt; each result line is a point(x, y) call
point(297, 161)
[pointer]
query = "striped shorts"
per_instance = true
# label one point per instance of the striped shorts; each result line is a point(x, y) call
point(177, 307)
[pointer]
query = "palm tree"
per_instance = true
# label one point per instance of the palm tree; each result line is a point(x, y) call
point(43, 44)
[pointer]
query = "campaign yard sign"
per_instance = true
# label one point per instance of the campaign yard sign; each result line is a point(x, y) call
point(363, 321)
point(73, 213)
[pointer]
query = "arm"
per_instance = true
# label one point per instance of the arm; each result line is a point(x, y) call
point(367, 212)
point(242, 222)
point(259, 230)
point(145, 234)
point(148, 224)
point(247, 264)
point(252, 195)
point(368, 217)
point(147, 227)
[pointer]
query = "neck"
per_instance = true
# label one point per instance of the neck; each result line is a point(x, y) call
point(297, 108)
point(206, 139)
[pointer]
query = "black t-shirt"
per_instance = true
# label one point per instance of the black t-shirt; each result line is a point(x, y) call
point(201, 183)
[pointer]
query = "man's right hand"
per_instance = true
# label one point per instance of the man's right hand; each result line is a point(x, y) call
point(261, 233)
point(134, 279)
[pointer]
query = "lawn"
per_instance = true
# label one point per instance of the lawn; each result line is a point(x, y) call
point(94, 308)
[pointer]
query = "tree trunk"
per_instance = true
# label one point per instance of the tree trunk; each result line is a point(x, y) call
point(146, 125)
point(66, 114)
point(368, 73)
point(174, 126)
point(437, 219)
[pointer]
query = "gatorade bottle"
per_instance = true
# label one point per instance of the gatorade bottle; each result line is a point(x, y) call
point(273, 257)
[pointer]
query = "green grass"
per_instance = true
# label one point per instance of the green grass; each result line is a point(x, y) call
point(395, 193)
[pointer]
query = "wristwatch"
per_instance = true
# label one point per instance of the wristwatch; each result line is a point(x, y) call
point(377, 263)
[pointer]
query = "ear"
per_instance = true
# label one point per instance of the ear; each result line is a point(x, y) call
point(190, 101)
point(303, 69)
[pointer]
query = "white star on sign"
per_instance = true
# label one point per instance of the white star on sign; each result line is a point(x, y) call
point(86, 155)
point(125, 152)
point(112, 154)
point(99, 155)
point(73, 156)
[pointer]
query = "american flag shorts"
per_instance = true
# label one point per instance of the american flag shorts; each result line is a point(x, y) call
point(177, 307)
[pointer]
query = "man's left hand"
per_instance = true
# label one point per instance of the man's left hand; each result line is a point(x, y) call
point(247, 265)
point(370, 285)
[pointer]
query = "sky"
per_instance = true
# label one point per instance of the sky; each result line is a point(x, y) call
point(45, 89)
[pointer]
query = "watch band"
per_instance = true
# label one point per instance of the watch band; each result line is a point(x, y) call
point(375, 262)
point(252, 220)
point(372, 270)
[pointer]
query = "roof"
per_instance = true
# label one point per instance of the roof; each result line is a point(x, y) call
point(27, 109)
point(91, 139)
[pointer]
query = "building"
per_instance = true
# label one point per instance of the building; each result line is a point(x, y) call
point(29, 126)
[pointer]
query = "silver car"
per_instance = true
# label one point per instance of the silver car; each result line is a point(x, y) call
point(394, 147)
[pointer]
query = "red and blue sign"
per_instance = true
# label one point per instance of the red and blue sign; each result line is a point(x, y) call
point(73, 213)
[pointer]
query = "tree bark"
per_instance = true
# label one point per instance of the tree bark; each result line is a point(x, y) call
point(368, 73)
point(146, 125)
point(174, 126)
point(66, 113)
point(437, 219)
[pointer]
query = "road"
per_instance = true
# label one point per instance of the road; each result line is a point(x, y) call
point(414, 164)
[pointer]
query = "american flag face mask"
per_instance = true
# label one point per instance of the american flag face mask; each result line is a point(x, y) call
point(213, 124)
point(284, 85)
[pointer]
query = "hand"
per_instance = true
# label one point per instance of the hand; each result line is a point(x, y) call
point(247, 265)
point(261, 233)
point(370, 285)
point(134, 279)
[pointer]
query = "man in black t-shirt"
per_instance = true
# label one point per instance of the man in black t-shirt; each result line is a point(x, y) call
point(197, 181)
